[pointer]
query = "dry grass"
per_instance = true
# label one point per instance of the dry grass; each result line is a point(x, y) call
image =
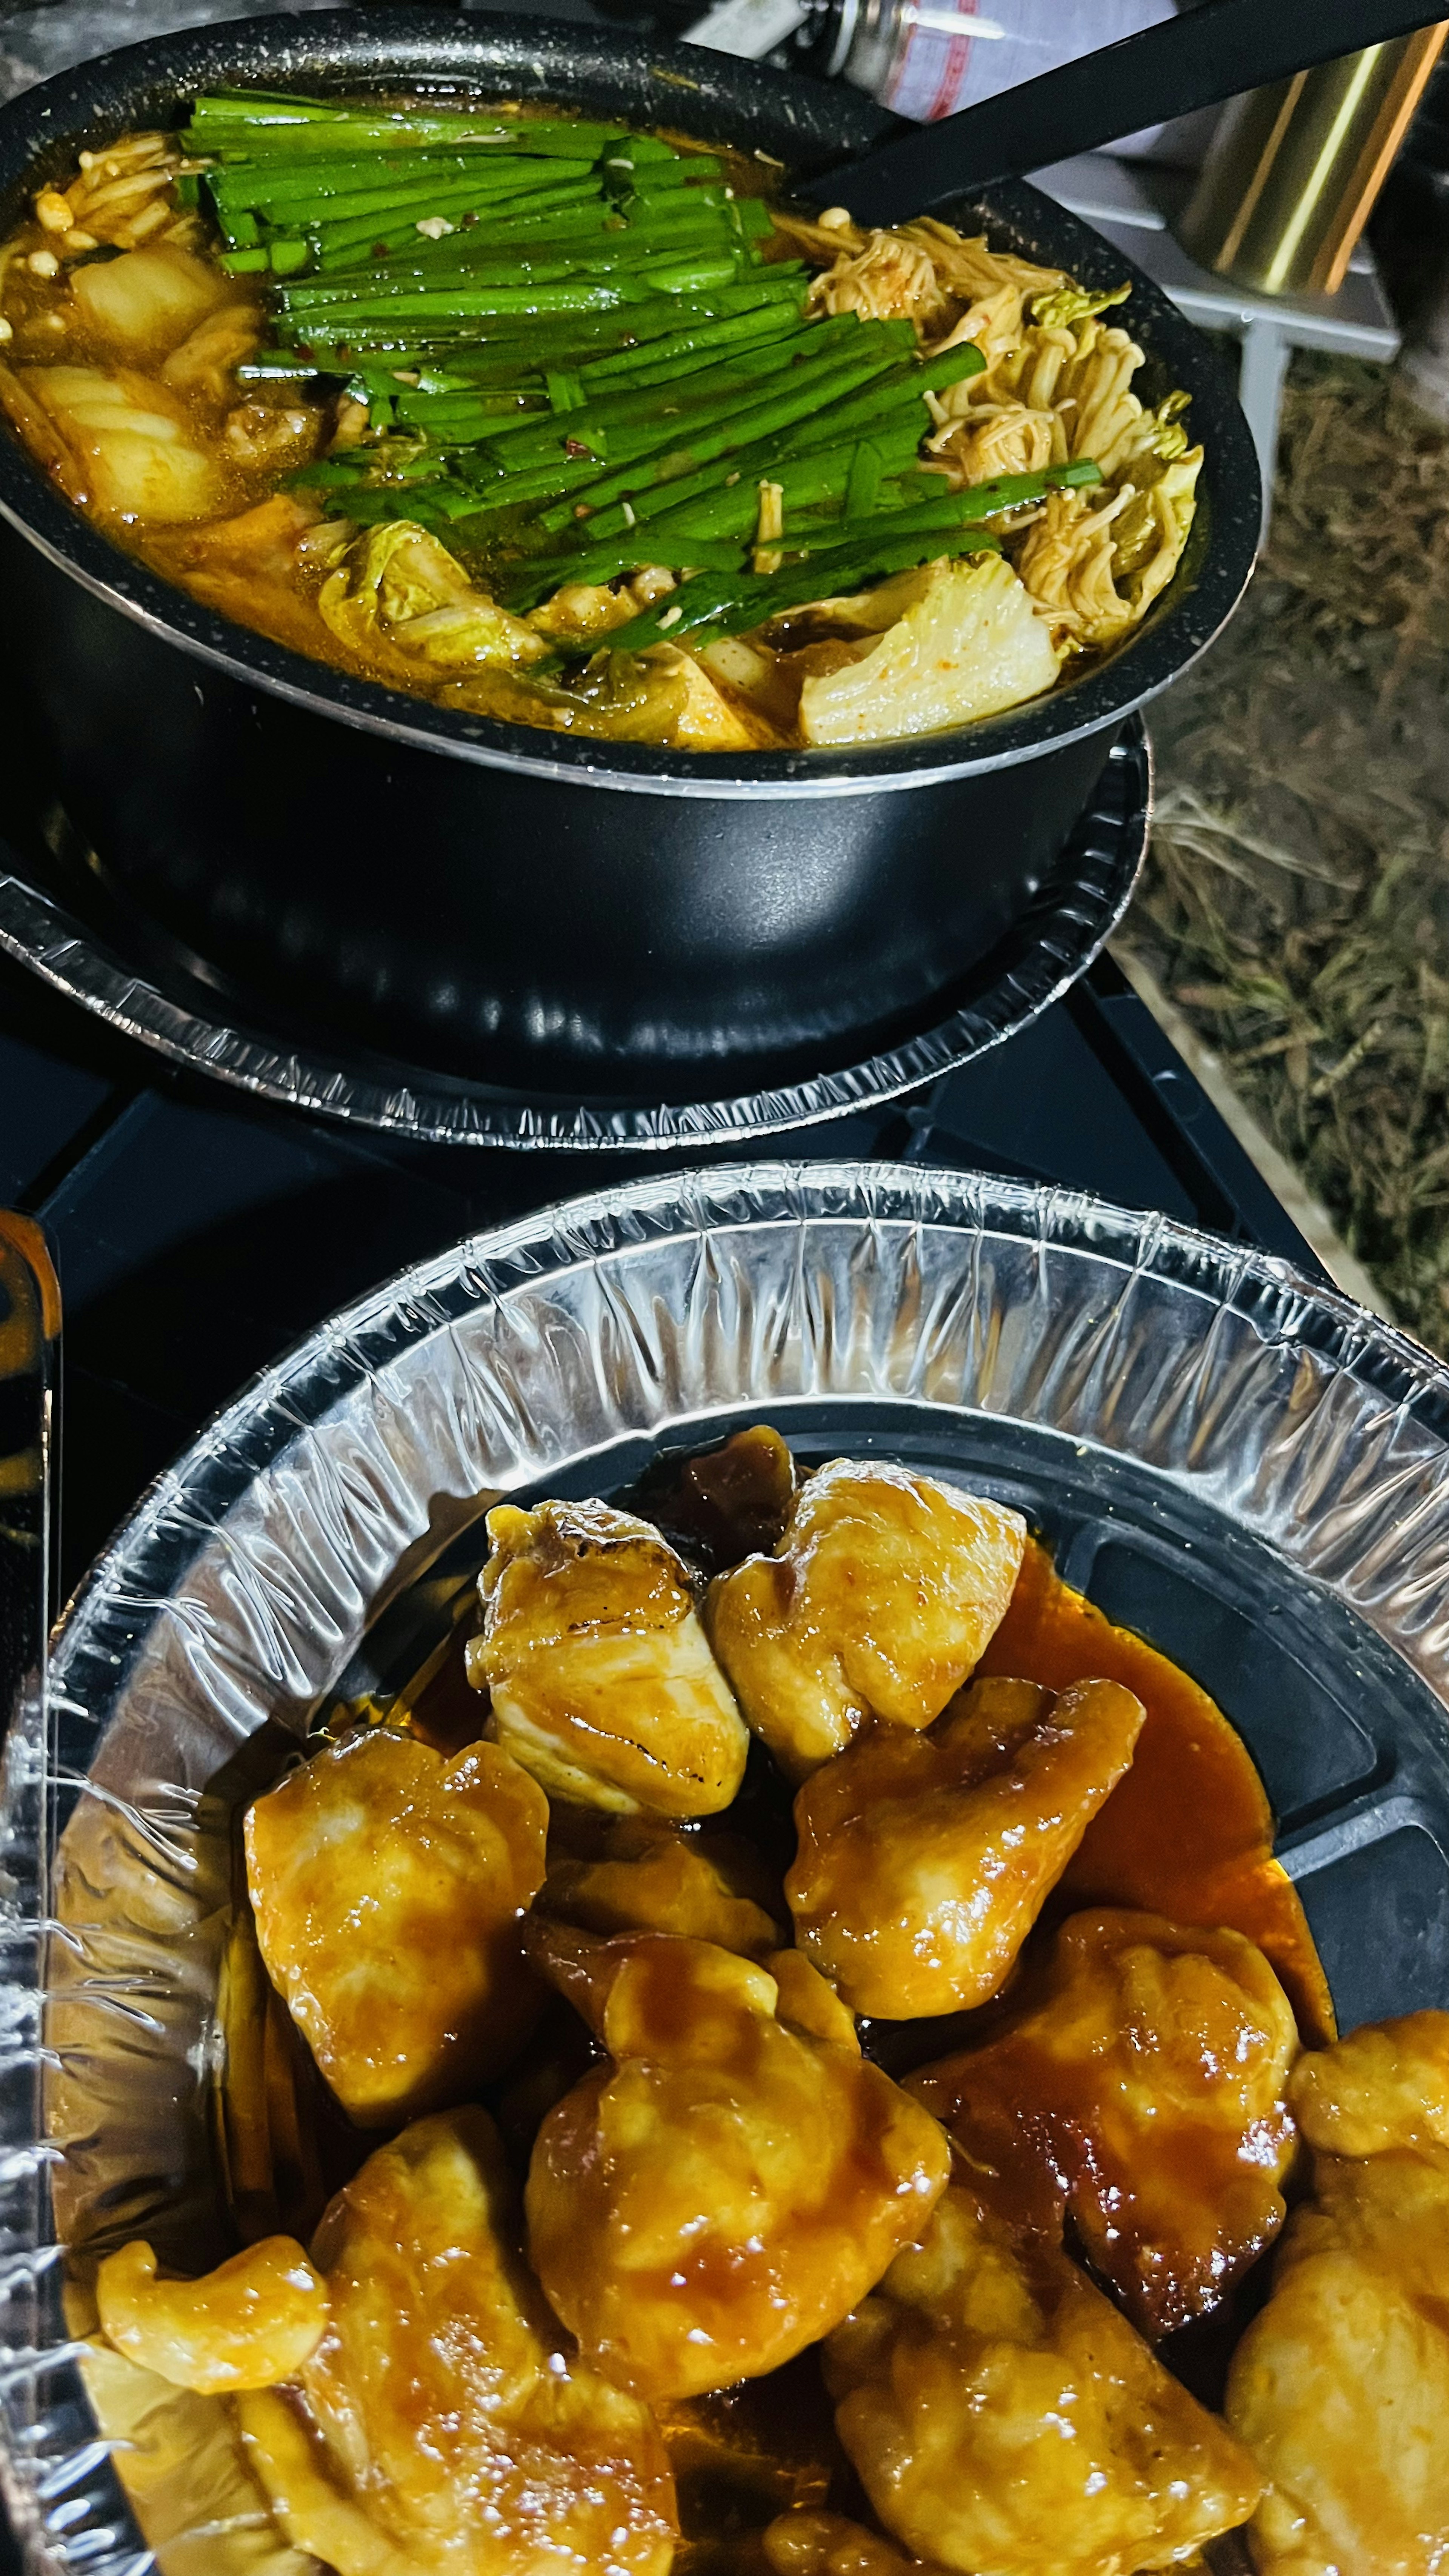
point(1297, 900)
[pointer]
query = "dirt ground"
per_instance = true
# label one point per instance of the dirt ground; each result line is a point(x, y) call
point(1296, 904)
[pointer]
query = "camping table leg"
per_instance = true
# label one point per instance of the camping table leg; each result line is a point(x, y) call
point(1266, 351)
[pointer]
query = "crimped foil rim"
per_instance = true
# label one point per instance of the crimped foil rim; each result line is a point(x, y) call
point(246, 1437)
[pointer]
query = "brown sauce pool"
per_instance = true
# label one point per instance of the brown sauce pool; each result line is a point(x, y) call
point(1189, 1831)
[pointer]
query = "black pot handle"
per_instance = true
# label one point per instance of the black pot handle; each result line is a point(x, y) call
point(1208, 54)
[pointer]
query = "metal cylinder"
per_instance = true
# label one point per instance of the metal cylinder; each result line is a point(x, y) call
point(1293, 171)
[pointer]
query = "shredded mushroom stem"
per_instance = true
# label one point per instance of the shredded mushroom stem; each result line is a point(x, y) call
point(970, 270)
point(122, 196)
point(952, 289)
point(891, 280)
point(1032, 371)
point(997, 438)
point(1066, 564)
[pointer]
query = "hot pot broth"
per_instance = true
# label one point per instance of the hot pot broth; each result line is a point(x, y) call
point(582, 429)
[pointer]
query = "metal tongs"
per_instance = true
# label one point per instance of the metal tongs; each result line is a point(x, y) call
point(1210, 53)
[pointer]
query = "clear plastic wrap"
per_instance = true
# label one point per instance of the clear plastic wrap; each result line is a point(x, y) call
point(1129, 1380)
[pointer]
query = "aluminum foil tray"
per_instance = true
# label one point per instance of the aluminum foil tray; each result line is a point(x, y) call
point(1251, 1471)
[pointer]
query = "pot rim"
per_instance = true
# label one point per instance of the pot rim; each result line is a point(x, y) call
point(44, 125)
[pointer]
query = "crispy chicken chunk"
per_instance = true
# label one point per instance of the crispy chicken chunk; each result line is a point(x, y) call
point(732, 2182)
point(1340, 2387)
point(389, 1887)
point(877, 1602)
point(1006, 2421)
point(827, 2544)
point(602, 1683)
point(924, 1860)
point(649, 1878)
point(251, 2322)
point(441, 2426)
point(1141, 2091)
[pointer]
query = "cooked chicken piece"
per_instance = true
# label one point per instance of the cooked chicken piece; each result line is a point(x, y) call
point(602, 1683)
point(440, 2426)
point(1340, 2387)
point(389, 1887)
point(826, 2544)
point(259, 544)
point(247, 566)
point(924, 1860)
point(207, 360)
point(1006, 2421)
point(263, 436)
point(723, 2192)
point(651, 1879)
point(251, 2322)
point(876, 1603)
point(1140, 2092)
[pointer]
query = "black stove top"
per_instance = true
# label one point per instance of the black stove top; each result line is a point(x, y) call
point(196, 1237)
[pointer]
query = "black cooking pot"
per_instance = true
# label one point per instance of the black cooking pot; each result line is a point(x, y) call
point(516, 904)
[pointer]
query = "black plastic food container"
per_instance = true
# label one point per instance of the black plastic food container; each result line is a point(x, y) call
point(516, 904)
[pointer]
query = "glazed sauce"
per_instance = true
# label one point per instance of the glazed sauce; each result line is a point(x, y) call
point(1189, 1831)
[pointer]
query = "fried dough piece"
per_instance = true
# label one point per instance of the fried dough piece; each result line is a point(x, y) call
point(924, 1860)
point(877, 1602)
point(1140, 2091)
point(251, 2322)
point(441, 2426)
point(1006, 2421)
point(602, 1683)
point(727, 2188)
point(650, 1879)
point(1340, 2387)
point(389, 1886)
